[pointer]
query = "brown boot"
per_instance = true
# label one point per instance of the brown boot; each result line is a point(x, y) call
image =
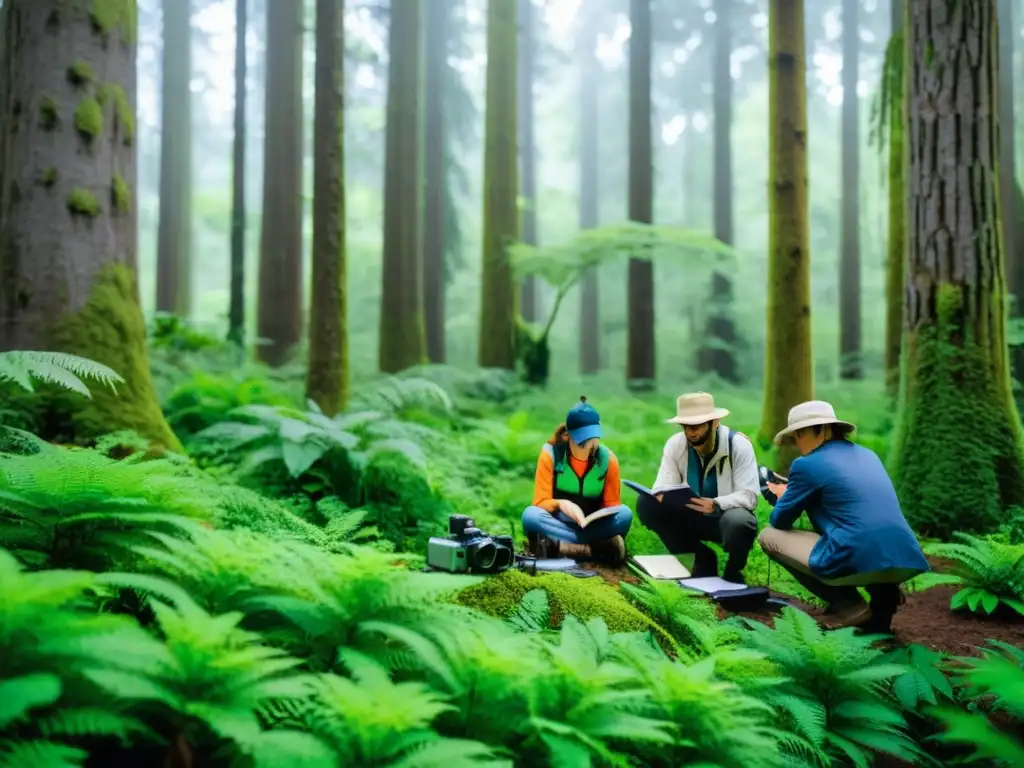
point(541, 547)
point(574, 551)
point(849, 615)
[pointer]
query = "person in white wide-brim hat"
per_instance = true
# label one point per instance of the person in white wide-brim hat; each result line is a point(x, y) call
point(719, 465)
point(861, 537)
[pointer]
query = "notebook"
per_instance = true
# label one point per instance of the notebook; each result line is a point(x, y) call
point(661, 566)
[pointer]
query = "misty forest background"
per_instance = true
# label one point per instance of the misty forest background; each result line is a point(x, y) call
point(573, 110)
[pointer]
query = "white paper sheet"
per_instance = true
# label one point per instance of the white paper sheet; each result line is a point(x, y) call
point(556, 564)
point(710, 584)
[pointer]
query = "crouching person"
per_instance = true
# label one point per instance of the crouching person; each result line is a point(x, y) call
point(861, 538)
point(577, 476)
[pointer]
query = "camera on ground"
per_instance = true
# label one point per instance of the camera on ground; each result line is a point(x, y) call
point(467, 549)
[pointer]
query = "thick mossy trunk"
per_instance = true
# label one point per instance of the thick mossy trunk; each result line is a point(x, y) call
point(788, 378)
point(68, 225)
point(957, 420)
point(327, 377)
point(497, 343)
point(402, 333)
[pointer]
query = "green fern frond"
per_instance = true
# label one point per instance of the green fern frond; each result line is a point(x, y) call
point(59, 368)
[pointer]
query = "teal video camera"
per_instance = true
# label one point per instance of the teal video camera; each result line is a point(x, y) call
point(467, 549)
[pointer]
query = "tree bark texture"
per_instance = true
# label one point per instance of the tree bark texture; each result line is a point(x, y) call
point(496, 345)
point(896, 248)
point(236, 308)
point(528, 301)
point(402, 337)
point(640, 355)
point(788, 376)
point(279, 315)
point(957, 417)
point(717, 354)
point(174, 231)
point(68, 225)
point(589, 159)
point(438, 31)
point(850, 364)
point(327, 377)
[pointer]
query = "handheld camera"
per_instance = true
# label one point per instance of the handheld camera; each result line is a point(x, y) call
point(467, 549)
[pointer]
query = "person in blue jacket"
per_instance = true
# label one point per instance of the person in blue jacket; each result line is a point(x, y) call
point(861, 537)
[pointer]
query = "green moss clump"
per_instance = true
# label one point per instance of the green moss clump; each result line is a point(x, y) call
point(954, 423)
point(120, 194)
point(123, 112)
point(48, 117)
point(583, 598)
point(48, 178)
point(89, 119)
point(106, 15)
point(80, 74)
point(82, 202)
point(110, 329)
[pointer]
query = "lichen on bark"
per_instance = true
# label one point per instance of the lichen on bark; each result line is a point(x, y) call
point(89, 119)
point(82, 202)
point(110, 329)
point(120, 194)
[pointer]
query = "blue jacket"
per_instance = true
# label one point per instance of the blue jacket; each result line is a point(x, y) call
point(852, 504)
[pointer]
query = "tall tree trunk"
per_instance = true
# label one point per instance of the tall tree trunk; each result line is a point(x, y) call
point(717, 354)
point(68, 221)
point(850, 364)
point(640, 303)
point(173, 246)
point(529, 308)
point(402, 337)
point(279, 318)
point(589, 157)
point(496, 345)
point(438, 31)
point(956, 380)
point(236, 309)
point(788, 376)
point(327, 377)
point(896, 251)
point(1013, 254)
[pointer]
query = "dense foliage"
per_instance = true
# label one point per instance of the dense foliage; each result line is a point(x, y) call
point(261, 602)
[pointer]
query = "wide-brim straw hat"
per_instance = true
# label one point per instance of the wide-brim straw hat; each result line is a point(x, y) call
point(812, 414)
point(696, 408)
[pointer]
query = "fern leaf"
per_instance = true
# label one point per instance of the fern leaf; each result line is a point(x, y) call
point(34, 754)
point(20, 694)
point(59, 368)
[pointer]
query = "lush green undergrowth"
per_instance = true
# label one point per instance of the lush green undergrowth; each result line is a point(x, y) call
point(261, 602)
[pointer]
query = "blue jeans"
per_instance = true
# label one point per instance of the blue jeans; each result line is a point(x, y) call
point(560, 527)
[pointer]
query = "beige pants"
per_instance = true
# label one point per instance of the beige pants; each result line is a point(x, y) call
point(793, 549)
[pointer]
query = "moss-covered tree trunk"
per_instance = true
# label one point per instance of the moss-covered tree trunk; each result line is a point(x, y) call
point(236, 307)
point(279, 312)
point(716, 353)
point(327, 378)
point(68, 226)
point(496, 347)
point(850, 363)
point(436, 183)
point(174, 231)
point(402, 335)
point(640, 352)
point(529, 297)
point(589, 157)
point(788, 378)
point(896, 248)
point(957, 419)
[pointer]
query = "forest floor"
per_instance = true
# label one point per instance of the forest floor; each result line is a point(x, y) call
point(924, 619)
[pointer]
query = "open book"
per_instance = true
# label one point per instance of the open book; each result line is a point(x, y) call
point(683, 493)
point(601, 513)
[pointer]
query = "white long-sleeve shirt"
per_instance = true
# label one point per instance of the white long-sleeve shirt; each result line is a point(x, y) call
point(738, 484)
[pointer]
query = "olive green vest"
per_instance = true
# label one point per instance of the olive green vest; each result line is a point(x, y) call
point(586, 491)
